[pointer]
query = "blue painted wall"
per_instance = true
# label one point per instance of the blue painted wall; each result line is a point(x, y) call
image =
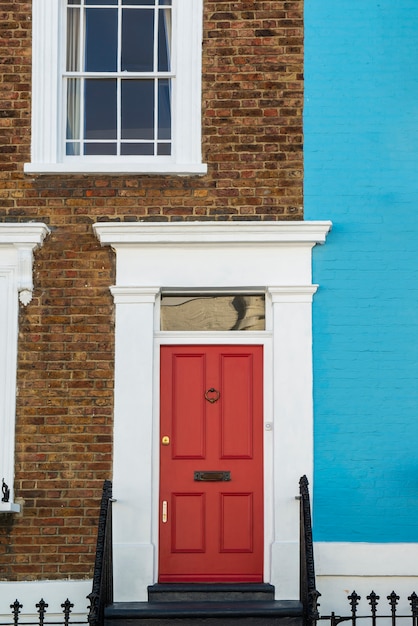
point(361, 172)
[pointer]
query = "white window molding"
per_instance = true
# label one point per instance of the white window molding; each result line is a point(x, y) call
point(273, 258)
point(48, 119)
point(17, 243)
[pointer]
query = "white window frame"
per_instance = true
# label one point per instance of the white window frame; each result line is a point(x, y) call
point(48, 123)
point(17, 242)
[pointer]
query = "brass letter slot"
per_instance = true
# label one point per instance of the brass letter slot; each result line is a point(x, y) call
point(212, 476)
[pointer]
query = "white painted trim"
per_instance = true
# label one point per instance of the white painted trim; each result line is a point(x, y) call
point(236, 233)
point(366, 559)
point(79, 166)
point(48, 126)
point(17, 243)
point(269, 257)
point(54, 593)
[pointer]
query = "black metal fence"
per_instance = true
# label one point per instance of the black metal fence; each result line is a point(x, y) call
point(308, 592)
point(383, 610)
point(42, 618)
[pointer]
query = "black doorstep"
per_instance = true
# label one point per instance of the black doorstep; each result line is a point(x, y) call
point(207, 604)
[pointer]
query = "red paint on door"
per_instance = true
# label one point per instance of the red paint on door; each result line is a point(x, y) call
point(211, 531)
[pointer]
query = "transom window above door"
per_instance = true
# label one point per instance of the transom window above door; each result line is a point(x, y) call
point(117, 86)
point(217, 312)
point(118, 78)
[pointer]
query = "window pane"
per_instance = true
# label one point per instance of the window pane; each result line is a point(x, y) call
point(164, 40)
point(139, 149)
point(164, 109)
point(100, 109)
point(138, 109)
point(217, 312)
point(101, 40)
point(164, 149)
point(100, 148)
point(137, 40)
point(143, 2)
point(72, 149)
point(73, 108)
point(101, 2)
point(73, 40)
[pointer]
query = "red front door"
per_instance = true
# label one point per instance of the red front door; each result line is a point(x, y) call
point(211, 468)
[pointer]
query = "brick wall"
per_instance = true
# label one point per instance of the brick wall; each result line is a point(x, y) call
point(252, 142)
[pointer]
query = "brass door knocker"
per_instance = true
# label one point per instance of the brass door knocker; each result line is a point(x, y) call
point(214, 398)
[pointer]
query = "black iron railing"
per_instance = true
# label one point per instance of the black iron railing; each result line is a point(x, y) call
point(102, 589)
point(386, 613)
point(308, 593)
point(42, 618)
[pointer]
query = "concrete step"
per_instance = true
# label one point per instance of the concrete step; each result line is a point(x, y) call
point(196, 592)
point(205, 613)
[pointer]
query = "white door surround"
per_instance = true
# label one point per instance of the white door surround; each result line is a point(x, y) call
point(265, 257)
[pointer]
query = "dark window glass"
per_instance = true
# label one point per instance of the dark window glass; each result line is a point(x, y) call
point(100, 109)
point(73, 149)
point(164, 149)
point(138, 149)
point(138, 109)
point(142, 2)
point(164, 40)
point(100, 148)
point(164, 109)
point(101, 40)
point(137, 40)
point(94, 2)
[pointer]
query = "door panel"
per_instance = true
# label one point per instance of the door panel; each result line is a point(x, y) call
point(211, 424)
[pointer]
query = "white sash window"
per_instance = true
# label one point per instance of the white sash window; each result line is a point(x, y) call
point(116, 88)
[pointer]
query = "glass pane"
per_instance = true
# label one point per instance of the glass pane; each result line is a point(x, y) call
point(138, 109)
point(100, 109)
point(135, 2)
point(72, 149)
point(73, 40)
point(73, 1)
point(217, 312)
point(93, 2)
point(139, 149)
point(164, 109)
point(100, 148)
point(101, 40)
point(164, 40)
point(73, 108)
point(137, 40)
point(165, 2)
point(164, 149)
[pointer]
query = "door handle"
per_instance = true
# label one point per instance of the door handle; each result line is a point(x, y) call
point(164, 515)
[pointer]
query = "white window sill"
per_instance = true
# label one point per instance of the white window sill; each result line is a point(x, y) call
point(9, 507)
point(107, 167)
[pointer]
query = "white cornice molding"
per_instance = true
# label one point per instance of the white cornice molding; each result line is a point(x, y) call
point(134, 295)
point(292, 293)
point(29, 233)
point(25, 238)
point(116, 233)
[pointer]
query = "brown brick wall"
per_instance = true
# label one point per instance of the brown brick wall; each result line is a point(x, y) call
point(252, 142)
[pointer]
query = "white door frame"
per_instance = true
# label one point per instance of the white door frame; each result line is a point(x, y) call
point(272, 257)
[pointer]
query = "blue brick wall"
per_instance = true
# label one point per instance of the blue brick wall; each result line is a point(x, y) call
point(361, 172)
